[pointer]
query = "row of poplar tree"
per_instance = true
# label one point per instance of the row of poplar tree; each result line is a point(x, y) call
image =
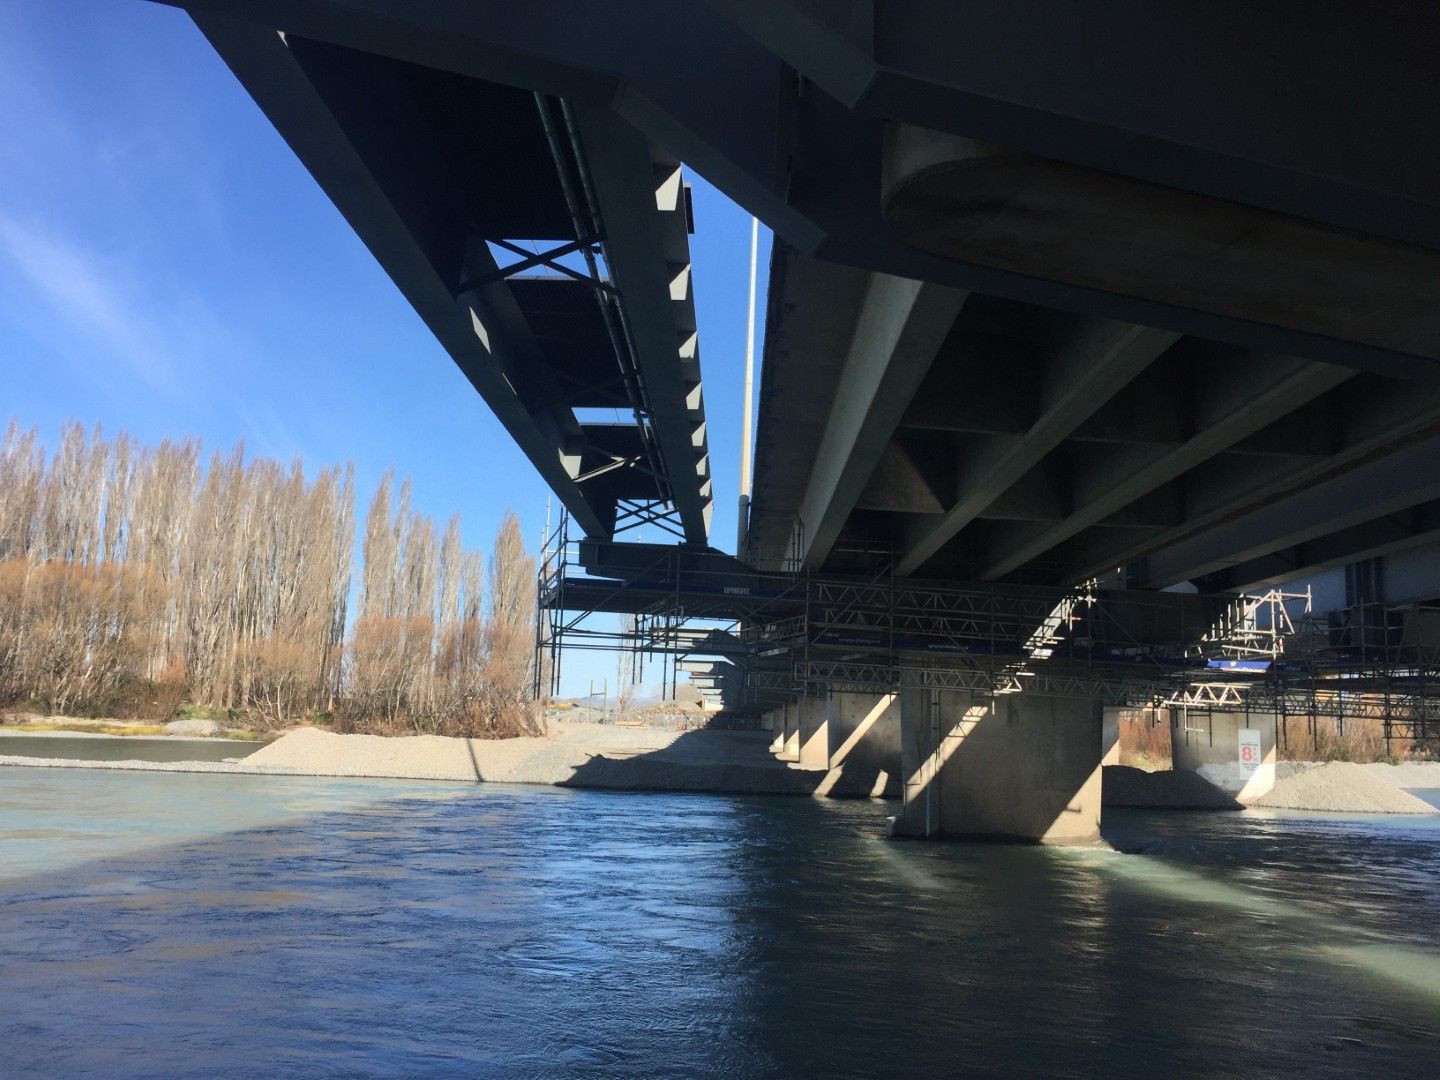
point(135, 578)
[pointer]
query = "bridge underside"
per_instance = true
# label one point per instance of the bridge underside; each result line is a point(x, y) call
point(1068, 305)
point(971, 437)
point(1054, 292)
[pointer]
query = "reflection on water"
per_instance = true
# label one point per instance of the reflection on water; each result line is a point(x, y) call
point(124, 747)
point(287, 926)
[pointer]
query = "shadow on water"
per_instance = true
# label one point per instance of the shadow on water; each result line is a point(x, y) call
point(449, 930)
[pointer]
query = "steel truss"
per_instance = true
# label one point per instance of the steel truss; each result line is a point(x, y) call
point(557, 119)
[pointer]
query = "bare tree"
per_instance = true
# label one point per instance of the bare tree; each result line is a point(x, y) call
point(130, 573)
point(509, 633)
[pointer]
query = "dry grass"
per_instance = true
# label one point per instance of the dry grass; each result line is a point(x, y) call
point(26, 723)
point(92, 729)
point(1144, 743)
point(1356, 740)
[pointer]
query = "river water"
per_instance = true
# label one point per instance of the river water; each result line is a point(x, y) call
point(215, 925)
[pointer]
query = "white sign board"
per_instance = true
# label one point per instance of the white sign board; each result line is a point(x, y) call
point(1250, 747)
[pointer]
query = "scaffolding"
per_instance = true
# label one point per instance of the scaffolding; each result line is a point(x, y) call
point(662, 631)
point(767, 638)
point(1371, 662)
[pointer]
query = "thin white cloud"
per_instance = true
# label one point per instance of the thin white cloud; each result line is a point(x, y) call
point(89, 296)
point(266, 435)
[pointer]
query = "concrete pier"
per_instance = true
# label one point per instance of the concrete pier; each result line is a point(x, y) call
point(790, 750)
point(1011, 768)
point(864, 745)
point(774, 722)
point(1234, 751)
point(814, 736)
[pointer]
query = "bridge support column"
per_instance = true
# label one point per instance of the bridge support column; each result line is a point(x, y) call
point(1013, 768)
point(814, 713)
point(1234, 751)
point(773, 721)
point(864, 732)
point(791, 727)
point(1110, 736)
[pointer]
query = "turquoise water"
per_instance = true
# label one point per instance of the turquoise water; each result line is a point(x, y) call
point(203, 925)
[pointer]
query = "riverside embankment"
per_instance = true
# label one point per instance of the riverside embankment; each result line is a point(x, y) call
point(619, 757)
point(571, 755)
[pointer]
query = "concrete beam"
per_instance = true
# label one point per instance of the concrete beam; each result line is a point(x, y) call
point(1374, 418)
point(900, 327)
point(1100, 359)
point(1402, 530)
point(1263, 394)
point(1369, 492)
point(984, 203)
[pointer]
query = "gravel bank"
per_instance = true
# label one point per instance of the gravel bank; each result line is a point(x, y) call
point(1165, 790)
point(1342, 787)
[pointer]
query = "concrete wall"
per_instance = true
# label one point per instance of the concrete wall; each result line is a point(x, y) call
point(1209, 744)
point(1019, 768)
point(864, 746)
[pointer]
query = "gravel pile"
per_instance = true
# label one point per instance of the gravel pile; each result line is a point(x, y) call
point(414, 757)
point(1340, 787)
point(1167, 790)
point(1409, 774)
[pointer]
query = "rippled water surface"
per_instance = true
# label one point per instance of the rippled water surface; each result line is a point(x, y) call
point(209, 925)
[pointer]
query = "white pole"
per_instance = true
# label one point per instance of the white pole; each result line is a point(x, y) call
point(743, 525)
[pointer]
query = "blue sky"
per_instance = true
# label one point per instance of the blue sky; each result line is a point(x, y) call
point(169, 268)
